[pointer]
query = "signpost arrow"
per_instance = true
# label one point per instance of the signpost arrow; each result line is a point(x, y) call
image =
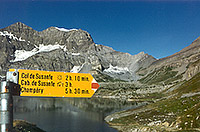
point(53, 84)
point(95, 85)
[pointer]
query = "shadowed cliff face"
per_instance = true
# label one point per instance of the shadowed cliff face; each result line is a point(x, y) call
point(60, 49)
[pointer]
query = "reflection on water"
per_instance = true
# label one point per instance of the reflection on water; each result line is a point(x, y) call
point(68, 114)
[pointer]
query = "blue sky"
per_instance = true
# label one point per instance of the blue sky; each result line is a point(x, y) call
point(159, 28)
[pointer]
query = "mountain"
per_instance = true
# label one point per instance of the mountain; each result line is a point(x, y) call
point(59, 49)
point(182, 65)
point(171, 86)
point(159, 82)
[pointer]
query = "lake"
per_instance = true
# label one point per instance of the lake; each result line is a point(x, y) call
point(69, 114)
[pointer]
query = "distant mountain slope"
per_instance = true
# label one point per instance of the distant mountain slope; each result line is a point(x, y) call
point(179, 66)
point(59, 49)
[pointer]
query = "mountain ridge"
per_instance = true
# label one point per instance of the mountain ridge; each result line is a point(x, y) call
point(81, 51)
point(76, 46)
point(180, 62)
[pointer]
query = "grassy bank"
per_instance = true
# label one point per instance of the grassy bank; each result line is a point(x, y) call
point(178, 110)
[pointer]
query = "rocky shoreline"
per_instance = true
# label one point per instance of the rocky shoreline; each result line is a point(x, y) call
point(24, 126)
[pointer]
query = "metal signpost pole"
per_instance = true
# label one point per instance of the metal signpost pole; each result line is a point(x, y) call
point(6, 108)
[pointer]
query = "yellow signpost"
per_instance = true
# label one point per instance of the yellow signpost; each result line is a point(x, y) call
point(55, 84)
point(36, 83)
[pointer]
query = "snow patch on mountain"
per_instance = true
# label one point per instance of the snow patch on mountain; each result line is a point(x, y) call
point(77, 69)
point(71, 53)
point(10, 36)
point(75, 53)
point(116, 69)
point(21, 55)
point(65, 30)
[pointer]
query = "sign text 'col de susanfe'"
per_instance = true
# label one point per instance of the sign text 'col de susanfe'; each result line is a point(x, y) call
point(55, 84)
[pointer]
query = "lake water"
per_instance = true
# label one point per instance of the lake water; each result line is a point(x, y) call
point(68, 114)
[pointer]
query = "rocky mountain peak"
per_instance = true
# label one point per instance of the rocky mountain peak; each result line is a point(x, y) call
point(20, 25)
point(141, 53)
point(75, 40)
point(21, 36)
point(18, 28)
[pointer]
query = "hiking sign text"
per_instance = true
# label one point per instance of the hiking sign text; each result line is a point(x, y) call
point(55, 84)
